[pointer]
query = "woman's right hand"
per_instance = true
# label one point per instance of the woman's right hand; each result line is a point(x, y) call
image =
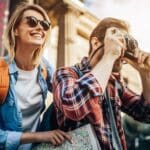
point(55, 137)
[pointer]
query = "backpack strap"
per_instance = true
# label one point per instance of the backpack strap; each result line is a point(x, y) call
point(115, 135)
point(4, 80)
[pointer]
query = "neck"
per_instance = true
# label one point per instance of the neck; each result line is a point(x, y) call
point(24, 59)
point(96, 56)
point(24, 66)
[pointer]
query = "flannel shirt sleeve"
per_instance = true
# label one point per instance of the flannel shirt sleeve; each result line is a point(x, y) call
point(135, 106)
point(75, 96)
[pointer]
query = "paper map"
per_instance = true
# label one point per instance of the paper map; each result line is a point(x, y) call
point(84, 138)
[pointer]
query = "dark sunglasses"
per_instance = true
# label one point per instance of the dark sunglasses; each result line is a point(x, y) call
point(33, 22)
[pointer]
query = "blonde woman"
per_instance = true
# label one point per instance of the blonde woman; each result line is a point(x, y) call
point(25, 38)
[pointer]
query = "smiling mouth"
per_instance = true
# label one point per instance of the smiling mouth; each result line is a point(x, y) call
point(37, 35)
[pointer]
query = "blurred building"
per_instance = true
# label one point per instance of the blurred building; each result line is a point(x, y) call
point(72, 24)
point(4, 6)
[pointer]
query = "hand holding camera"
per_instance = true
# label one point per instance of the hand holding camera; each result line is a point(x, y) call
point(114, 42)
point(139, 59)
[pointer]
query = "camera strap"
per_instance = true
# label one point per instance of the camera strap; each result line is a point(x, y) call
point(115, 135)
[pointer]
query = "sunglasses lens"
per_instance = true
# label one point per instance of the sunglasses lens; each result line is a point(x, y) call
point(45, 24)
point(32, 22)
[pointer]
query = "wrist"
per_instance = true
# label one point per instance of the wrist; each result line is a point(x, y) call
point(29, 137)
point(110, 58)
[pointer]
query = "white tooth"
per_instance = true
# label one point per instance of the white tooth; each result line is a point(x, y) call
point(37, 35)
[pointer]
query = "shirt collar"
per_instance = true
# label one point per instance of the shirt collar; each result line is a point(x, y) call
point(12, 67)
point(84, 65)
point(115, 76)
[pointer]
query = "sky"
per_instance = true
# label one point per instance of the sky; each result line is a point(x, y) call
point(135, 12)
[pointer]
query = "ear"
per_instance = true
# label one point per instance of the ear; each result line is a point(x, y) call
point(95, 43)
point(16, 32)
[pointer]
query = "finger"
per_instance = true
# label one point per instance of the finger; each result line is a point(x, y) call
point(120, 36)
point(116, 33)
point(147, 60)
point(110, 31)
point(122, 40)
point(52, 140)
point(120, 46)
point(132, 63)
point(136, 52)
point(66, 136)
point(143, 58)
point(139, 57)
point(60, 136)
point(123, 47)
point(57, 139)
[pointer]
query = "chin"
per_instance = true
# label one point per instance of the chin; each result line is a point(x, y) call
point(117, 66)
point(116, 69)
point(37, 43)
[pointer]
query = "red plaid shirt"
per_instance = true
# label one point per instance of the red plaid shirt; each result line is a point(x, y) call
point(78, 95)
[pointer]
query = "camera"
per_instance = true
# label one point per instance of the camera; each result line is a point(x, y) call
point(131, 45)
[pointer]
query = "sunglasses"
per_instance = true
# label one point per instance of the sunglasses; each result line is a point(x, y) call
point(33, 22)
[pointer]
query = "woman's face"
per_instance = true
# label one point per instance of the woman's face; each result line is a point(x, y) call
point(32, 30)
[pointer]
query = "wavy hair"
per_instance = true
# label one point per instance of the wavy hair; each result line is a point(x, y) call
point(9, 36)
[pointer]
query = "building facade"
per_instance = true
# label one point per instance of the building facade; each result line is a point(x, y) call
point(72, 24)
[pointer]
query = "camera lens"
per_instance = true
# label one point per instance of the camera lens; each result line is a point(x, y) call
point(131, 43)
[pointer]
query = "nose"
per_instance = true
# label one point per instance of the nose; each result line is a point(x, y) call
point(39, 26)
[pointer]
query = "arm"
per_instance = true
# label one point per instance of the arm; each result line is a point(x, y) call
point(9, 139)
point(134, 105)
point(12, 139)
point(145, 77)
point(74, 96)
point(114, 46)
point(142, 64)
point(56, 137)
point(103, 69)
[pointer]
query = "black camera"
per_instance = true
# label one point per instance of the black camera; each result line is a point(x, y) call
point(131, 45)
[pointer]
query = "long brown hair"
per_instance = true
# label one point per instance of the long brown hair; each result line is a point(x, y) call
point(9, 37)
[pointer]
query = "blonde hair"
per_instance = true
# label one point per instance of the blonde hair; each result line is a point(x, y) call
point(103, 25)
point(9, 36)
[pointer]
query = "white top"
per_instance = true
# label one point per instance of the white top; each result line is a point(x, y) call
point(30, 101)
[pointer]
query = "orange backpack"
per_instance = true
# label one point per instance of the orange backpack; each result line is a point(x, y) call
point(4, 79)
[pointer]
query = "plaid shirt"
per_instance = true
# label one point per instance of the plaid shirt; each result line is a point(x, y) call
point(78, 96)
